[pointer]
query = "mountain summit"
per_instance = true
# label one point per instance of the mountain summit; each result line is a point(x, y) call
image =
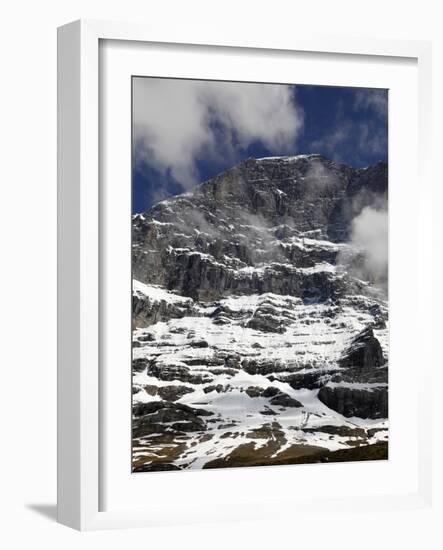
point(211, 242)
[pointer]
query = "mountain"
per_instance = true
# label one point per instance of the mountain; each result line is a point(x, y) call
point(258, 337)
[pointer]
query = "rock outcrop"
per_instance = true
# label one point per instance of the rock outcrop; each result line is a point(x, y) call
point(255, 335)
point(364, 352)
point(273, 213)
point(360, 388)
point(350, 401)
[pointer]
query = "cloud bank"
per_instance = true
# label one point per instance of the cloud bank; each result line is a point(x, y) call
point(177, 120)
point(370, 234)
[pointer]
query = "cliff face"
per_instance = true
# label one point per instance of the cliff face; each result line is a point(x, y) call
point(248, 312)
point(256, 228)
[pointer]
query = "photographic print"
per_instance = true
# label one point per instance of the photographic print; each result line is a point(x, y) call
point(259, 274)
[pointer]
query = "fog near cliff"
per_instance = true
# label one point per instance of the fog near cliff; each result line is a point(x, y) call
point(319, 178)
point(370, 234)
point(176, 120)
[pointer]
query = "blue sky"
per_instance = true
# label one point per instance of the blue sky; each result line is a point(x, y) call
point(185, 132)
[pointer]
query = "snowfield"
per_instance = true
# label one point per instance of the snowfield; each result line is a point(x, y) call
point(314, 340)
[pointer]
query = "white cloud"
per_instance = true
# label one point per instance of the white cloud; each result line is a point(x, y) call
point(176, 120)
point(370, 234)
point(319, 177)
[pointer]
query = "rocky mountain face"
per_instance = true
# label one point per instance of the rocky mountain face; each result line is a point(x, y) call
point(256, 340)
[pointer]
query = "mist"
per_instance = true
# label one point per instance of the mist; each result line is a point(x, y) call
point(369, 234)
point(176, 120)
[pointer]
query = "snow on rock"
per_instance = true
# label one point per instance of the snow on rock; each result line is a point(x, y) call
point(157, 293)
point(254, 342)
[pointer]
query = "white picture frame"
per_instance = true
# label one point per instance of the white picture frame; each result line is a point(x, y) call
point(80, 412)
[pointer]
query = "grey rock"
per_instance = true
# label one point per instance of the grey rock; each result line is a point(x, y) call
point(146, 312)
point(169, 373)
point(173, 393)
point(271, 391)
point(284, 400)
point(266, 227)
point(254, 391)
point(364, 351)
point(233, 214)
point(158, 416)
point(348, 401)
